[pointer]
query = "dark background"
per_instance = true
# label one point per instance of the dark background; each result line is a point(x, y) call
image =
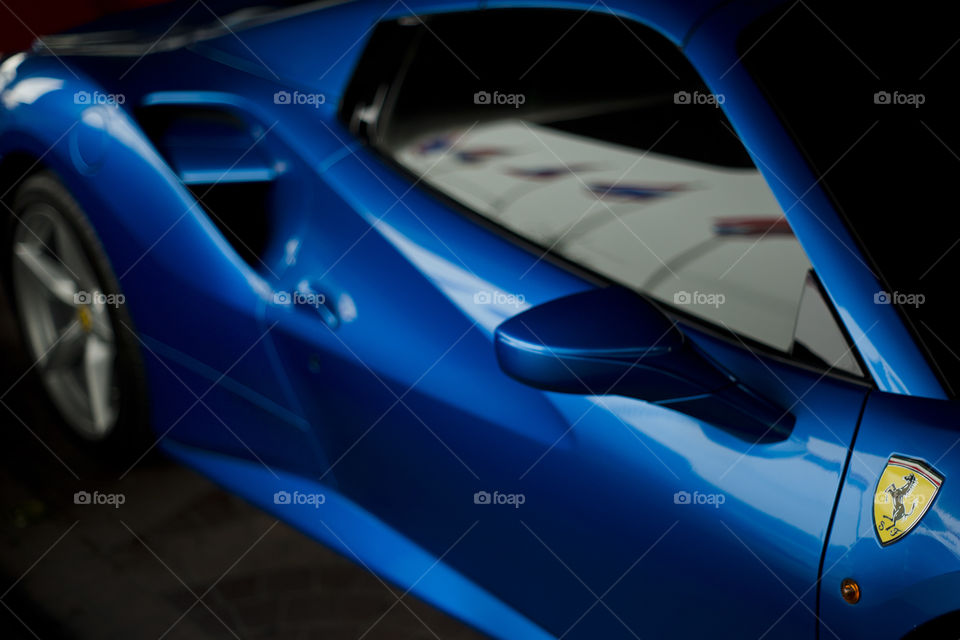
point(22, 20)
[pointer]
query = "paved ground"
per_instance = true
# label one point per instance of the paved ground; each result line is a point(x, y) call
point(180, 559)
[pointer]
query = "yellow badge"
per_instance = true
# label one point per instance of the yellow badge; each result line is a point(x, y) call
point(904, 493)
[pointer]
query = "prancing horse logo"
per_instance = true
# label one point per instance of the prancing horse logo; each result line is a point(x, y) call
point(898, 494)
point(905, 490)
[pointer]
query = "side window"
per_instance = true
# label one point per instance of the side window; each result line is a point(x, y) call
point(615, 157)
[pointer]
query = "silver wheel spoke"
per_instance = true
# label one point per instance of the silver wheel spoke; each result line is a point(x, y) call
point(100, 322)
point(98, 367)
point(73, 257)
point(51, 274)
point(66, 350)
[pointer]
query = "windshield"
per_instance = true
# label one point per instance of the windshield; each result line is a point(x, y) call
point(868, 95)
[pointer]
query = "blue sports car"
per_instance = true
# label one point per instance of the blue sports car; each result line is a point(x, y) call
point(622, 319)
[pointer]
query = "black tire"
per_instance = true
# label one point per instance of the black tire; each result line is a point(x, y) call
point(130, 437)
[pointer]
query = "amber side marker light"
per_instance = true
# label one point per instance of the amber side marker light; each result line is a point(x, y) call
point(850, 590)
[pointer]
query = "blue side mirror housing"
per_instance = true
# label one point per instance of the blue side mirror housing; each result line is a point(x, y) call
point(613, 341)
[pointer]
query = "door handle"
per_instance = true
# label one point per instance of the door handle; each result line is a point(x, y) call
point(308, 297)
point(321, 302)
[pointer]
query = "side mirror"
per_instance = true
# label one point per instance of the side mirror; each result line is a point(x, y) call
point(613, 341)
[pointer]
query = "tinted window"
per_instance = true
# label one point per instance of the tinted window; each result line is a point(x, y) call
point(596, 140)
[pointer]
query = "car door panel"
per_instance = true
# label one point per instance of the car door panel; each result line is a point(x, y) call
point(601, 477)
point(591, 515)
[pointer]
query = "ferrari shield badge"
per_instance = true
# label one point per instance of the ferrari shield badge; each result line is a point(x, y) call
point(904, 493)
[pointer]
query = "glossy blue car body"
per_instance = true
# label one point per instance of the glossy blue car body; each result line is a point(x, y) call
point(390, 400)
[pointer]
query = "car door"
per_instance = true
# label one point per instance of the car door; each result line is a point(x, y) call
point(496, 179)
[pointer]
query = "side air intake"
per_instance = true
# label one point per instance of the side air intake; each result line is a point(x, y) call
point(220, 158)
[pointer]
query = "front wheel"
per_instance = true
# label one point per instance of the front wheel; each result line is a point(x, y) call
point(73, 319)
